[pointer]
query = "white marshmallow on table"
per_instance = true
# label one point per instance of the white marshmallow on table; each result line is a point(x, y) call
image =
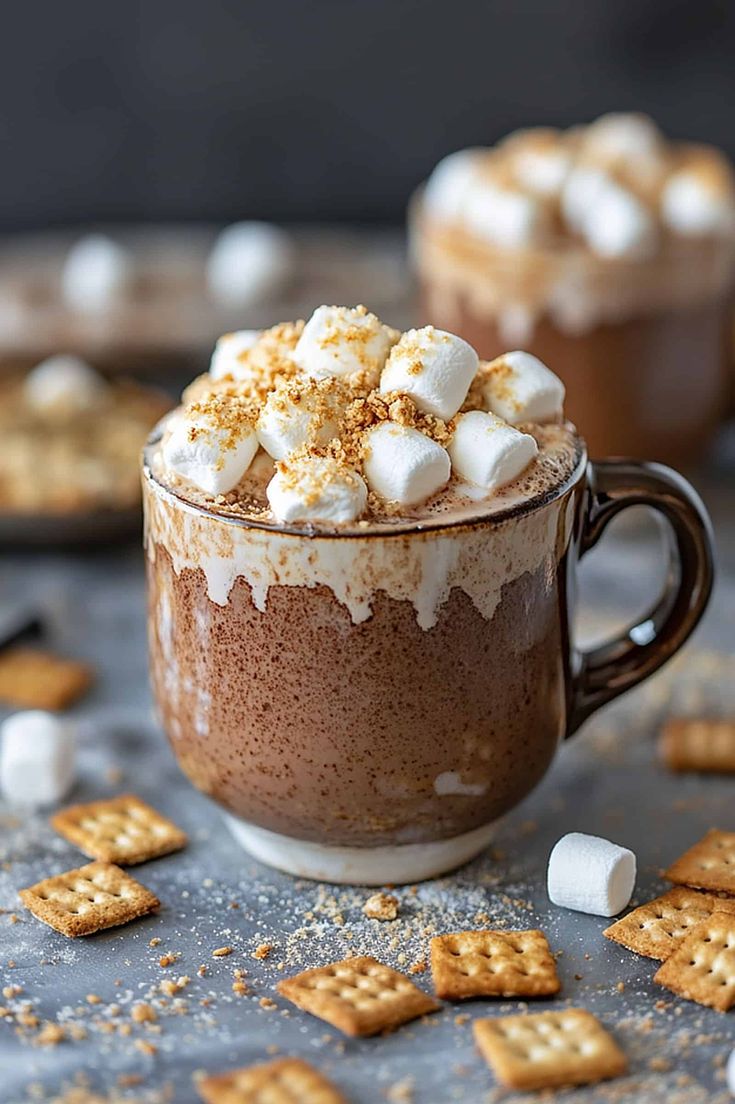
point(284, 424)
point(249, 261)
point(211, 457)
point(506, 217)
point(338, 341)
point(64, 382)
point(591, 874)
point(730, 1073)
point(317, 489)
point(446, 190)
point(96, 272)
point(434, 368)
point(230, 354)
point(691, 206)
point(520, 388)
point(488, 452)
point(404, 465)
point(617, 224)
point(37, 753)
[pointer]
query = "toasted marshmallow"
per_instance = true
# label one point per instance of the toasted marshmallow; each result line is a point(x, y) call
point(249, 261)
point(96, 272)
point(295, 415)
point(432, 367)
point(581, 188)
point(64, 383)
point(520, 388)
point(403, 465)
point(621, 136)
point(618, 225)
point(37, 752)
point(317, 489)
point(212, 456)
point(338, 341)
point(446, 190)
point(488, 452)
point(230, 354)
point(540, 160)
point(699, 201)
point(503, 216)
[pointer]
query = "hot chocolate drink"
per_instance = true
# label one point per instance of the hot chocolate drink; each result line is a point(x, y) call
point(604, 250)
point(359, 552)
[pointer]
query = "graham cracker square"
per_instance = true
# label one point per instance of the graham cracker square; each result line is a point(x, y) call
point(657, 928)
point(31, 679)
point(359, 996)
point(493, 964)
point(710, 864)
point(702, 969)
point(699, 745)
point(549, 1049)
point(121, 830)
point(96, 896)
point(284, 1081)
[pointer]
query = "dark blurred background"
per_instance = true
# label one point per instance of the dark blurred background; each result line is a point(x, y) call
point(178, 109)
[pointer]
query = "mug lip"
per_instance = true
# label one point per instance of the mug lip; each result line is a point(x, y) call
point(370, 532)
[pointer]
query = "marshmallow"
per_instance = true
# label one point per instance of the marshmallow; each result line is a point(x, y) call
point(249, 261)
point(96, 271)
point(581, 188)
point(730, 1073)
point(618, 225)
point(446, 190)
point(590, 874)
point(520, 388)
point(433, 367)
point(622, 136)
point(213, 457)
point(337, 341)
point(504, 217)
point(693, 204)
point(230, 354)
point(404, 465)
point(64, 383)
point(293, 416)
point(36, 758)
point(540, 160)
point(487, 452)
point(317, 489)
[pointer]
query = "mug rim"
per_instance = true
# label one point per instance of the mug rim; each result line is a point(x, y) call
point(511, 513)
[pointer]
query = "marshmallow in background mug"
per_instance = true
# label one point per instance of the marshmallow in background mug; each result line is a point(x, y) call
point(64, 382)
point(96, 272)
point(506, 217)
point(580, 190)
point(699, 200)
point(447, 189)
point(292, 416)
point(213, 457)
point(339, 341)
point(249, 261)
point(317, 489)
point(486, 451)
point(622, 136)
point(520, 388)
point(434, 368)
point(591, 874)
point(230, 354)
point(37, 753)
point(617, 224)
point(404, 465)
point(540, 160)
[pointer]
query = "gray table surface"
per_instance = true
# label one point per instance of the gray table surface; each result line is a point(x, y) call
point(606, 781)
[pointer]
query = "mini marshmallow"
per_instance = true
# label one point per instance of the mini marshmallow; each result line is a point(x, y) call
point(696, 203)
point(540, 160)
point(212, 457)
point(581, 188)
point(230, 354)
point(404, 465)
point(730, 1073)
point(505, 217)
point(286, 423)
point(432, 367)
point(622, 136)
point(590, 874)
point(488, 452)
point(64, 383)
point(618, 225)
point(446, 190)
point(520, 388)
point(96, 272)
point(338, 341)
point(249, 261)
point(317, 489)
point(37, 752)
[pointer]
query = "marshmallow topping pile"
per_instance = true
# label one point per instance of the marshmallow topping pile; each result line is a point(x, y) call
point(345, 416)
point(617, 186)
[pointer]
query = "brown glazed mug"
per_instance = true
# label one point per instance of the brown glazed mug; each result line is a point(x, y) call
point(365, 704)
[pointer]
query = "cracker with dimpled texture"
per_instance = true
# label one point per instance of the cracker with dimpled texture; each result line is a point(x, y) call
point(121, 830)
point(359, 996)
point(699, 745)
point(32, 679)
point(710, 864)
point(657, 928)
point(703, 967)
point(493, 964)
point(285, 1081)
point(96, 896)
point(549, 1049)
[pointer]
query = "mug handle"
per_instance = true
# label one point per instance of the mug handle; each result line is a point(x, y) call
point(604, 672)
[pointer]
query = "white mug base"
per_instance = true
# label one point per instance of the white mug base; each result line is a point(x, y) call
point(371, 866)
